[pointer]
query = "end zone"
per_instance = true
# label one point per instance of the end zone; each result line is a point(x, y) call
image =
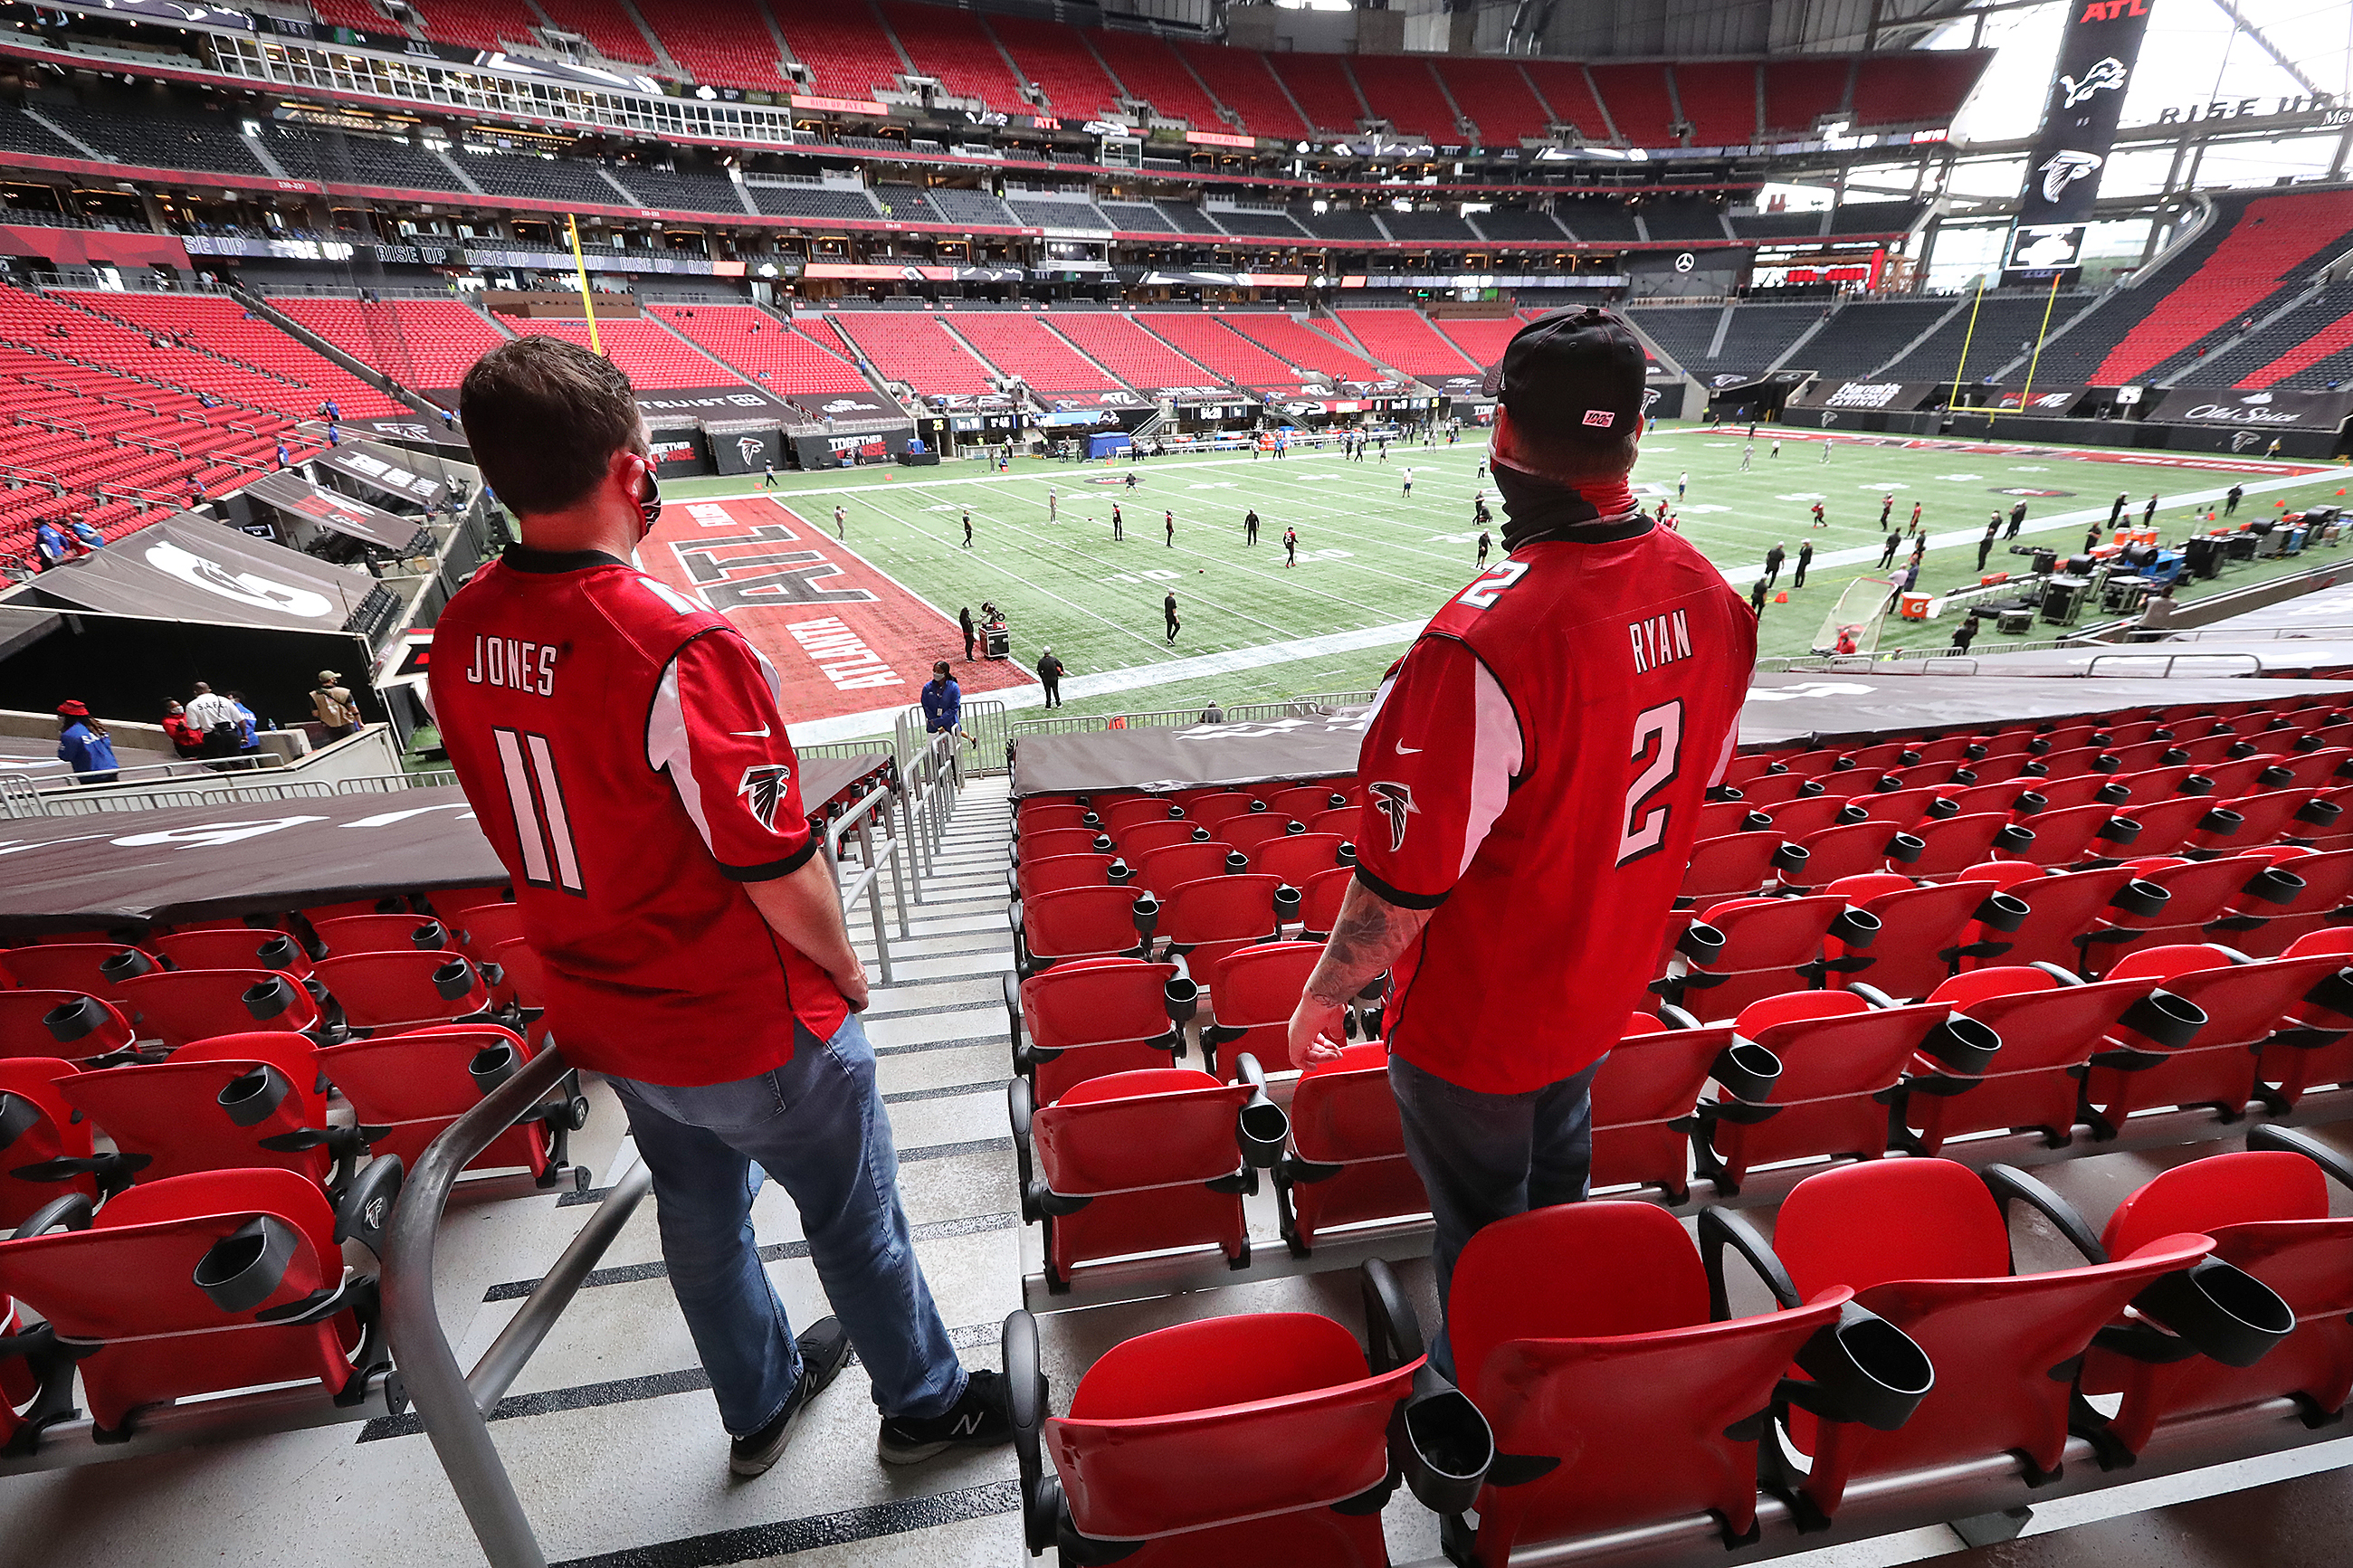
point(845, 637)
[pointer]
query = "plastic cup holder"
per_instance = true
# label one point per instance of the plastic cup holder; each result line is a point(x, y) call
point(2017, 840)
point(428, 937)
point(1755, 822)
point(1852, 812)
point(1974, 751)
point(1262, 1130)
point(1700, 944)
point(1183, 998)
point(1747, 1070)
point(2109, 762)
point(493, 1066)
point(2030, 802)
point(1294, 827)
point(1868, 1369)
point(78, 1019)
point(19, 1116)
point(266, 999)
point(1091, 820)
point(2196, 784)
point(1942, 808)
point(1256, 807)
point(1964, 1044)
point(1965, 775)
point(1103, 844)
point(2121, 831)
point(453, 979)
point(123, 965)
point(276, 953)
point(2112, 793)
point(1175, 811)
point(1118, 871)
point(1844, 764)
point(2171, 757)
point(1726, 791)
point(1346, 854)
point(1286, 903)
point(1886, 783)
point(1236, 862)
point(2165, 1019)
point(2333, 992)
point(2222, 821)
point(1200, 835)
point(1812, 787)
point(2038, 745)
point(1791, 857)
point(1908, 758)
point(2141, 896)
point(1449, 1449)
point(2275, 777)
point(2226, 1313)
point(2003, 912)
point(2238, 751)
point(2274, 886)
point(1776, 767)
point(242, 1269)
point(2037, 770)
point(1856, 927)
point(1905, 848)
point(250, 1097)
point(2319, 813)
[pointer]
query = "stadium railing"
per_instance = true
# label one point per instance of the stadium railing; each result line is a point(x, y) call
point(1316, 705)
point(151, 786)
point(865, 879)
point(453, 1402)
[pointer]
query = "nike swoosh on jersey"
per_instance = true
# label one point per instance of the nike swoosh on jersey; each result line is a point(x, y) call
point(759, 734)
point(1406, 750)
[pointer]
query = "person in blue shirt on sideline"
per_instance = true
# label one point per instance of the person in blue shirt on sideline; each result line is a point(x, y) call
point(249, 737)
point(83, 745)
point(943, 704)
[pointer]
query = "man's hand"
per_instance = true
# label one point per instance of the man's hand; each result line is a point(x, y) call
point(1317, 1034)
point(852, 984)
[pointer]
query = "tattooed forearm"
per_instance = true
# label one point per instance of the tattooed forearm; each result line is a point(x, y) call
point(1366, 940)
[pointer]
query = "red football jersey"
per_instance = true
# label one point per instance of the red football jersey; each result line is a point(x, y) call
point(1534, 770)
point(623, 748)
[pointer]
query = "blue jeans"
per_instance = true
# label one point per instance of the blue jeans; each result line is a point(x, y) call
point(817, 1125)
point(1485, 1157)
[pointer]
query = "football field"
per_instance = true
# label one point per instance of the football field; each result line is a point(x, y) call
point(1374, 562)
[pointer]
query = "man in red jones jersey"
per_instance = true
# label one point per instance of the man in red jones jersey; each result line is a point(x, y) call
point(623, 748)
point(1533, 770)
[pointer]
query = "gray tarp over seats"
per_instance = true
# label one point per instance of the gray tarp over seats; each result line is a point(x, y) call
point(388, 469)
point(371, 525)
point(2206, 657)
point(202, 862)
point(192, 568)
point(1796, 709)
point(2330, 607)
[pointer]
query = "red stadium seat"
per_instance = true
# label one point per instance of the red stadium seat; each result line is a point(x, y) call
point(1247, 833)
point(2220, 898)
point(2070, 916)
point(1134, 810)
point(255, 1100)
point(1047, 843)
point(1081, 922)
point(153, 1280)
point(1842, 1055)
point(392, 993)
point(2328, 879)
point(1854, 849)
point(1924, 932)
point(1303, 801)
point(382, 933)
point(2167, 826)
point(1346, 1164)
point(1144, 1161)
point(1297, 857)
point(1037, 816)
point(2273, 816)
point(1163, 871)
point(2051, 1023)
point(236, 948)
point(1141, 838)
point(1092, 1017)
point(1251, 1440)
point(1771, 946)
point(2070, 835)
point(1057, 872)
point(1205, 921)
point(177, 1006)
point(70, 1024)
point(1924, 1244)
point(1320, 899)
point(1739, 865)
point(1621, 1390)
point(2243, 1001)
point(407, 1088)
point(46, 1148)
point(2267, 1211)
point(451, 904)
point(1647, 1087)
point(1252, 993)
point(61, 966)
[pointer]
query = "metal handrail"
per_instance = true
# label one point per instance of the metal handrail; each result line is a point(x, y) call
point(451, 1403)
point(2254, 665)
point(1320, 704)
point(860, 819)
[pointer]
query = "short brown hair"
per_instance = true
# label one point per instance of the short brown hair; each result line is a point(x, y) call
point(544, 418)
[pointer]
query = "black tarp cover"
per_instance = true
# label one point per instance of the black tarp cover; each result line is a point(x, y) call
point(298, 497)
point(1796, 709)
point(191, 568)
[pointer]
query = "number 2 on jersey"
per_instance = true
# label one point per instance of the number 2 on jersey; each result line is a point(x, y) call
point(542, 826)
point(1481, 594)
point(1644, 828)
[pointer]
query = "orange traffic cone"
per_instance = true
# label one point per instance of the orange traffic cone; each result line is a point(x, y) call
point(1781, 598)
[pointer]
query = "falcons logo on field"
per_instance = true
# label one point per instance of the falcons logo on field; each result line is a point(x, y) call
point(1395, 801)
point(762, 790)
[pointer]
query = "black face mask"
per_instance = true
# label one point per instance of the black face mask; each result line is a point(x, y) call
point(1536, 509)
point(649, 504)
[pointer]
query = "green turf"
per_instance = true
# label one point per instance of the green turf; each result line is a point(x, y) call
point(1372, 557)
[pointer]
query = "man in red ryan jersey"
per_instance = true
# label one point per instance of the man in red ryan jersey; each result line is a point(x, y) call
point(1533, 770)
point(623, 748)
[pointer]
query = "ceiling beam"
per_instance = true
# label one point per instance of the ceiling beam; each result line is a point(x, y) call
point(2262, 41)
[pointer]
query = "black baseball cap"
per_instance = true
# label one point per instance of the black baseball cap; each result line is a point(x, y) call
point(1572, 377)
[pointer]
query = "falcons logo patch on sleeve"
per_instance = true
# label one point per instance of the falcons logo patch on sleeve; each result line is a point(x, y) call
point(1395, 801)
point(762, 790)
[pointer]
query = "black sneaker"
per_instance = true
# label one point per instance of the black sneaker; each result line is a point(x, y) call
point(977, 1420)
point(824, 1351)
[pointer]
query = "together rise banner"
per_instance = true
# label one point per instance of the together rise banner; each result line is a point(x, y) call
point(2097, 55)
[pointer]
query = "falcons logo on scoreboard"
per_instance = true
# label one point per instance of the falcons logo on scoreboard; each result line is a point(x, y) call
point(763, 790)
point(1395, 801)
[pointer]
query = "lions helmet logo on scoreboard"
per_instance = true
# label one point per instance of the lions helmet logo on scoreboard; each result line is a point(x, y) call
point(762, 790)
point(1395, 801)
